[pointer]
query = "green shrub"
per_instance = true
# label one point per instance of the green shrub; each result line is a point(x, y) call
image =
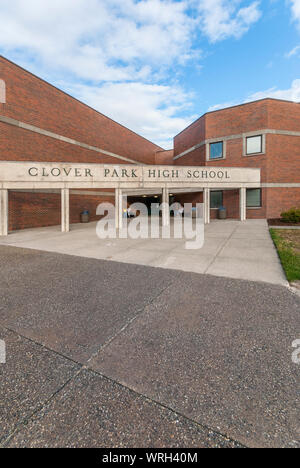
point(291, 216)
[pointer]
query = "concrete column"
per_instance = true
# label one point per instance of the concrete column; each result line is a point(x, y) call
point(120, 211)
point(3, 212)
point(166, 208)
point(206, 199)
point(243, 204)
point(65, 210)
point(117, 208)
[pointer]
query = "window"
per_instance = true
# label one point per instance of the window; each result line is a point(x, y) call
point(253, 198)
point(216, 150)
point(216, 199)
point(254, 144)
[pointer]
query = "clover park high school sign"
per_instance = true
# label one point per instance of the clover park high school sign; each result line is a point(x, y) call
point(14, 175)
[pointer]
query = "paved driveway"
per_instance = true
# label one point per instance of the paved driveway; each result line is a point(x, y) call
point(112, 354)
point(231, 249)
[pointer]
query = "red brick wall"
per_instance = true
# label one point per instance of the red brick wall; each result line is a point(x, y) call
point(28, 210)
point(225, 122)
point(79, 203)
point(32, 100)
point(235, 158)
point(31, 210)
point(231, 201)
point(282, 199)
point(236, 120)
point(164, 157)
point(195, 197)
point(18, 144)
point(189, 137)
point(194, 158)
point(283, 161)
point(283, 115)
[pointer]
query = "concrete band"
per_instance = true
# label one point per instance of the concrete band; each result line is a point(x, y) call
point(236, 137)
point(286, 185)
point(32, 128)
point(36, 175)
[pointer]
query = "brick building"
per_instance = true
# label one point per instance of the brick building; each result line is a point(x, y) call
point(40, 123)
point(263, 134)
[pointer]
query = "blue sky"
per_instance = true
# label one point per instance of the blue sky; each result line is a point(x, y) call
point(157, 65)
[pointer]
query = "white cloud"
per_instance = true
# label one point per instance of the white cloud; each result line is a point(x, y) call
point(290, 94)
point(99, 40)
point(221, 106)
point(116, 40)
point(293, 52)
point(115, 49)
point(122, 54)
point(150, 110)
point(295, 6)
point(221, 19)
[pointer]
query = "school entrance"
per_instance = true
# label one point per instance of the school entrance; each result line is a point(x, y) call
point(164, 183)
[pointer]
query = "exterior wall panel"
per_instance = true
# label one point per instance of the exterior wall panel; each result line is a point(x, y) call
point(283, 115)
point(283, 163)
point(31, 210)
point(35, 209)
point(191, 136)
point(17, 144)
point(281, 199)
point(235, 120)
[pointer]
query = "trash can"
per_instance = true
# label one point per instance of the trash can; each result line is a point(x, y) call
point(85, 216)
point(222, 213)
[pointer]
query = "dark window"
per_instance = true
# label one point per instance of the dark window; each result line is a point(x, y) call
point(216, 199)
point(254, 144)
point(216, 150)
point(253, 198)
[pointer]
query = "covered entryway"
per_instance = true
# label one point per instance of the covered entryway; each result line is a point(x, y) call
point(123, 179)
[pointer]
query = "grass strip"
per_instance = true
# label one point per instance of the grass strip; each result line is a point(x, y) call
point(289, 259)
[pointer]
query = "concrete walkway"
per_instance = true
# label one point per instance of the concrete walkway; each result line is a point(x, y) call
point(231, 249)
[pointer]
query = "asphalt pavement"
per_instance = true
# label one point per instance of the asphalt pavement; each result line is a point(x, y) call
point(108, 354)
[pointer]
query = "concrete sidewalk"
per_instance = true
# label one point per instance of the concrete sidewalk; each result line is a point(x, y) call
point(231, 249)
